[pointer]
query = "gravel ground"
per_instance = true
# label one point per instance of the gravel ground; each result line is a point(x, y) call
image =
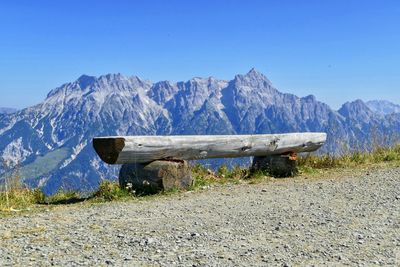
point(352, 220)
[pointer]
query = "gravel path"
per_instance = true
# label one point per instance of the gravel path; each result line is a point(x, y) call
point(353, 220)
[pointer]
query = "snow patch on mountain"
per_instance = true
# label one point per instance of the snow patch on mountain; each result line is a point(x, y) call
point(15, 153)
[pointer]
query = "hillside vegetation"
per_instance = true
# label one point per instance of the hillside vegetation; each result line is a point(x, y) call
point(15, 197)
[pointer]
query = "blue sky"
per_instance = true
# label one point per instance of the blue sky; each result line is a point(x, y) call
point(336, 50)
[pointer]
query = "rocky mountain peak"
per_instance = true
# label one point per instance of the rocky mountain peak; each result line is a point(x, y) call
point(255, 74)
point(7, 110)
point(254, 71)
point(252, 79)
point(383, 107)
point(354, 106)
point(85, 81)
point(79, 85)
point(310, 98)
point(356, 110)
point(162, 91)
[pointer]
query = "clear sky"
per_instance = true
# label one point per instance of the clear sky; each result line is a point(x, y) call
point(336, 50)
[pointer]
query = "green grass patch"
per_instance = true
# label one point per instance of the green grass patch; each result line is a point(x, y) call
point(45, 164)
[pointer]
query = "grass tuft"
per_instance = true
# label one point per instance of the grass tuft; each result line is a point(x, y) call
point(20, 199)
point(109, 191)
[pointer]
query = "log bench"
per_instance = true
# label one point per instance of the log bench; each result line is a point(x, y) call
point(160, 162)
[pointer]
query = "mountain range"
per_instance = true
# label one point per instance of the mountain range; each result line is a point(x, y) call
point(383, 107)
point(51, 143)
point(7, 110)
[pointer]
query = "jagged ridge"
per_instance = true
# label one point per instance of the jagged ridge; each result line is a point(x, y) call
point(52, 140)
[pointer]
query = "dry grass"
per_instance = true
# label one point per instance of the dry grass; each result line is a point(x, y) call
point(350, 160)
point(14, 196)
point(204, 176)
point(20, 199)
point(109, 191)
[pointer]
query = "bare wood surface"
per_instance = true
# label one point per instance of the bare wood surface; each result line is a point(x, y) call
point(143, 149)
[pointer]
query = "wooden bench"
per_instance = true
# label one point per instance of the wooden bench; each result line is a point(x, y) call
point(161, 161)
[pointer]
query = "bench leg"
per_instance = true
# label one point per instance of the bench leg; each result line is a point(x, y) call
point(276, 165)
point(156, 176)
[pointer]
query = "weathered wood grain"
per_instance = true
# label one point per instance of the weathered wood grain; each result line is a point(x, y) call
point(143, 149)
